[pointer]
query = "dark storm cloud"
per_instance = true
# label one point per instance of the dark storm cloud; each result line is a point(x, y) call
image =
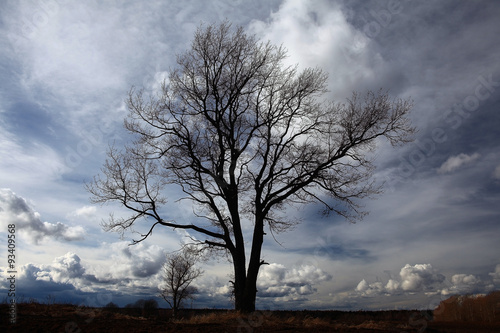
point(334, 251)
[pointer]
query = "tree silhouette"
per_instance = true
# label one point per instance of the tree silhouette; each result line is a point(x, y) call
point(244, 136)
point(179, 272)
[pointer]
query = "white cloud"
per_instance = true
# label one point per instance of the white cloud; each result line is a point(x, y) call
point(309, 273)
point(466, 284)
point(275, 280)
point(392, 285)
point(272, 272)
point(496, 173)
point(496, 274)
point(137, 261)
point(464, 279)
point(15, 210)
point(85, 211)
point(66, 267)
point(65, 272)
point(423, 279)
point(414, 278)
point(369, 289)
point(362, 286)
point(316, 33)
point(455, 162)
point(419, 277)
point(213, 286)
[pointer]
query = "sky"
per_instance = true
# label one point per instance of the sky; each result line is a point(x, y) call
point(66, 68)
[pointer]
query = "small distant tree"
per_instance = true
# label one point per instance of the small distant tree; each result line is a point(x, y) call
point(179, 272)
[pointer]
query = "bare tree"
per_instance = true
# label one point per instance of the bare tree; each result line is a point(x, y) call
point(244, 136)
point(179, 272)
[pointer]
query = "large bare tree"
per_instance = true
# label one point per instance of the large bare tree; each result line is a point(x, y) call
point(244, 136)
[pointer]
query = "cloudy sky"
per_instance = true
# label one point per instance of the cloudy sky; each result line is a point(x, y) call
point(66, 68)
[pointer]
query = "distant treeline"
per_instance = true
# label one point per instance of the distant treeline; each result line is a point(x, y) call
point(142, 307)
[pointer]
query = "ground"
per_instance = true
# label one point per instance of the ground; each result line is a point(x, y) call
point(76, 319)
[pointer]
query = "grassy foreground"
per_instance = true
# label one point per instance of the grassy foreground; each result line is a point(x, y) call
point(456, 314)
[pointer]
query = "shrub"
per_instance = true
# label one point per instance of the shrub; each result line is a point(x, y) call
point(150, 308)
point(111, 307)
point(470, 308)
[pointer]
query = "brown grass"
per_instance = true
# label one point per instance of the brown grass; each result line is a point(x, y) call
point(480, 313)
point(299, 319)
point(258, 319)
point(209, 318)
point(314, 322)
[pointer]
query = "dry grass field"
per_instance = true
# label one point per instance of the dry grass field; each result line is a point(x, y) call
point(457, 314)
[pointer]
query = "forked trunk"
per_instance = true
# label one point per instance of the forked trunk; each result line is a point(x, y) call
point(245, 288)
point(241, 300)
point(245, 297)
point(248, 302)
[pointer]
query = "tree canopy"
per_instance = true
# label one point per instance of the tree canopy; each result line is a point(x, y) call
point(243, 136)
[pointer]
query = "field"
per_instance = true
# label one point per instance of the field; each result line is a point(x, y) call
point(36, 317)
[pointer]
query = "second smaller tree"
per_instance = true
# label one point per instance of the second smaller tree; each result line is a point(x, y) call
point(179, 272)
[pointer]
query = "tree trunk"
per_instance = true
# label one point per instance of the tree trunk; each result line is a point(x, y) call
point(175, 308)
point(174, 312)
point(239, 278)
point(245, 297)
point(248, 300)
point(246, 292)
